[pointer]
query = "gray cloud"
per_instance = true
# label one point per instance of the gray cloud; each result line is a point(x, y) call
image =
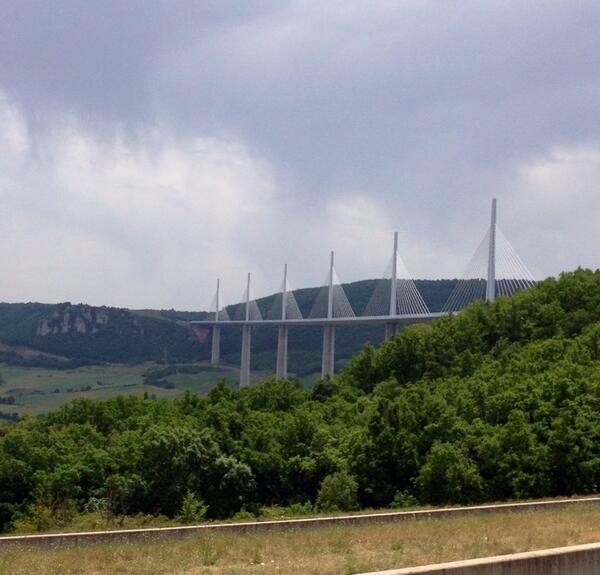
point(309, 126)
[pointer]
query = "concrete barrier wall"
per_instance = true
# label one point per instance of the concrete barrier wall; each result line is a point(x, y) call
point(575, 560)
point(130, 535)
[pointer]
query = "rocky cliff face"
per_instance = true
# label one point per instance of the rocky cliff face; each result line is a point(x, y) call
point(85, 333)
point(74, 319)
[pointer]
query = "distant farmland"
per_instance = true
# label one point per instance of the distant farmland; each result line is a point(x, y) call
point(39, 390)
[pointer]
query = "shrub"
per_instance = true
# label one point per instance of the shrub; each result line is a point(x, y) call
point(403, 499)
point(338, 492)
point(279, 512)
point(192, 510)
point(244, 515)
point(449, 476)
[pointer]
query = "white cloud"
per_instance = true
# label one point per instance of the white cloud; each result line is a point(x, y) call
point(134, 222)
point(14, 140)
point(151, 221)
point(150, 218)
point(555, 209)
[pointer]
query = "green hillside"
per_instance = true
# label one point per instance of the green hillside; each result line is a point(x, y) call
point(51, 354)
point(67, 336)
point(501, 401)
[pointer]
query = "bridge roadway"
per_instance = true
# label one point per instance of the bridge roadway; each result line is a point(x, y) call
point(323, 321)
point(392, 323)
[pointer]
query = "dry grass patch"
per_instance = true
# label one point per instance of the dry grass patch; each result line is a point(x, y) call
point(341, 550)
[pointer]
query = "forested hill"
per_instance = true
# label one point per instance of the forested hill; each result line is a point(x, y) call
point(64, 335)
point(499, 401)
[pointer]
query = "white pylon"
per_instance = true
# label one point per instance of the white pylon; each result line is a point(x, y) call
point(394, 278)
point(490, 292)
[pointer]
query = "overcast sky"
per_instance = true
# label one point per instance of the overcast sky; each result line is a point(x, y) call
point(149, 147)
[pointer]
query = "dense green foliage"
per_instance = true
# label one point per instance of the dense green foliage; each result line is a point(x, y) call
point(500, 401)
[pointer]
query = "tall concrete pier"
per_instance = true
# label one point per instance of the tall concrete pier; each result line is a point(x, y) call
point(390, 330)
point(282, 335)
point(215, 352)
point(245, 362)
point(246, 342)
point(282, 352)
point(328, 358)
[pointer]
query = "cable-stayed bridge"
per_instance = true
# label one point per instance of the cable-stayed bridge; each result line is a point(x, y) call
point(495, 269)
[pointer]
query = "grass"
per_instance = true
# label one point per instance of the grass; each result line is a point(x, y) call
point(342, 550)
point(39, 390)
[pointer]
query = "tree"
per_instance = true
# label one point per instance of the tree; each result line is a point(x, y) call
point(338, 492)
point(177, 459)
point(448, 476)
point(192, 509)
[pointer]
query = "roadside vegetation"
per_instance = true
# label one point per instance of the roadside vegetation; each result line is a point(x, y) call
point(343, 550)
point(500, 401)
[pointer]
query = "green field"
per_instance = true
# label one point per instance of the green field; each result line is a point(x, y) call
point(39, 390)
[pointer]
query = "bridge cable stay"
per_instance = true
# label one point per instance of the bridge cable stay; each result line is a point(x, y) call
point(218, 310)
point(292, 310)
point(408, 298)
point(248, 308)
point(510, 273)
point(340, 305)
point(472, 284)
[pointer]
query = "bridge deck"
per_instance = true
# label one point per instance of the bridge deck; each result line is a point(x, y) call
point(366, 320)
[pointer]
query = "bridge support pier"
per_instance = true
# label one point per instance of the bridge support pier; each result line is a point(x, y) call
point(215, 352)
point(390, 330)
point(328, 359)
point(282, 352)
point(245, 363)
